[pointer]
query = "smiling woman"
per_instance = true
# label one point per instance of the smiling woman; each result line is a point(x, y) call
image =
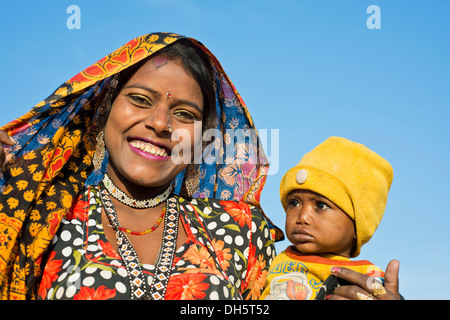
point(142, 117)
point(107, 213)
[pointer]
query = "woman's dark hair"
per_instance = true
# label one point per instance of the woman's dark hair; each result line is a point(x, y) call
point(195, 62)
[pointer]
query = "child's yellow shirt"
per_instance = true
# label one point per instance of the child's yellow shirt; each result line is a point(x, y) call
point(296, 276)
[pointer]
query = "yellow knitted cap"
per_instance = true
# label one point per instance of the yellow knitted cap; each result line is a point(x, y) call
point(350, 175)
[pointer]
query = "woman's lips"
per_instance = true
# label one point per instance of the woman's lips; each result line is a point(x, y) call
point(148, 149)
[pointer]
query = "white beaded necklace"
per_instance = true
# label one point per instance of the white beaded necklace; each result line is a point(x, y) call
point(121, 196)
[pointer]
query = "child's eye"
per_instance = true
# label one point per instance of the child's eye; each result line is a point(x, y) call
point(293, 203)
point(322, 206)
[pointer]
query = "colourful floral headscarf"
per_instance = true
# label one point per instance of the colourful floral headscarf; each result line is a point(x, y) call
point(52, 161)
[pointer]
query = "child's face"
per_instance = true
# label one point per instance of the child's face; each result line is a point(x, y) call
point(314, 224)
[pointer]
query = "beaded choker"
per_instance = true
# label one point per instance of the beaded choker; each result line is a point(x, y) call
point(121, 196)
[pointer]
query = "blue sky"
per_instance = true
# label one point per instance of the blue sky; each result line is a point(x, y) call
point(311, 69)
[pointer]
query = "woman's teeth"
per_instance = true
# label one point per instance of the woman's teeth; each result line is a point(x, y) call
point(149, 148)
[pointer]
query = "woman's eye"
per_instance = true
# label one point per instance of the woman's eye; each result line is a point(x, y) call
point(140, 100)
point(185, 115)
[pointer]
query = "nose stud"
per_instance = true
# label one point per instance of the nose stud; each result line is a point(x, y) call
point(168, 96)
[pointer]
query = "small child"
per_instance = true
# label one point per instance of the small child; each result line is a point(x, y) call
point(334, 200)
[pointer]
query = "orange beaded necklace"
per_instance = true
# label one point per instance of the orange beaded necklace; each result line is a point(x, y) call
point(141, 233)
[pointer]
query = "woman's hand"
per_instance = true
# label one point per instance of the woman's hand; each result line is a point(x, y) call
point(363, 287)
point(4, 139)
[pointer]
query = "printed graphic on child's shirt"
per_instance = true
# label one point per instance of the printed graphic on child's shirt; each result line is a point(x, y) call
point(293, 286)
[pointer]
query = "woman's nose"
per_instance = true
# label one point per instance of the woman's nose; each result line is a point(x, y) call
point(158, 119)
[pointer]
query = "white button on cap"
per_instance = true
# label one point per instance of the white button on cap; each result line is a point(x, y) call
point(301, 177)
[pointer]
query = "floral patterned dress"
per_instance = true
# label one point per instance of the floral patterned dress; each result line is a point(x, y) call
point(227, 253)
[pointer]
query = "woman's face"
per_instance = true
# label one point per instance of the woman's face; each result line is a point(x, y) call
point(158, 96)
point(314, 224)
